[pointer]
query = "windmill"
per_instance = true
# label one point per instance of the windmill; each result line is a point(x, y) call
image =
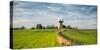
point(59, 24)
point(60, 36)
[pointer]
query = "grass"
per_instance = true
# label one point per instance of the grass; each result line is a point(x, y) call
point(82, 37)
point(34, 38)
point(47, 38)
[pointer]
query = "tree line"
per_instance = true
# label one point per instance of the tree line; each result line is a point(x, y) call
point(40, 26)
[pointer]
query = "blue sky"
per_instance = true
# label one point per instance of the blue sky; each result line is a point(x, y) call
point(29, 14)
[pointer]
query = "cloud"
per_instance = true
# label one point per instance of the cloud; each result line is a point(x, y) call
point(32, 13)
point(22, 22)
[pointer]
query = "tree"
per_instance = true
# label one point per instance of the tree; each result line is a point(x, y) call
point(39, 26)
point(64, 26)
point(22, 28)
point(51, 27)
point(69, 27)
point(32, 28)
point(75, 28)
point(43, 27)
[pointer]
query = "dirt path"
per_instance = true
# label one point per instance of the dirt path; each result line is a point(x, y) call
point(61, 40)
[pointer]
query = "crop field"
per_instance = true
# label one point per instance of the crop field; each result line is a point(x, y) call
point(47, 38)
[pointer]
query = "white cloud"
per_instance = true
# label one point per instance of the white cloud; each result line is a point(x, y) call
point(47, 15)
point(21, 22)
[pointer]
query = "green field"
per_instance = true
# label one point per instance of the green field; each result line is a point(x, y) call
point(47, 38)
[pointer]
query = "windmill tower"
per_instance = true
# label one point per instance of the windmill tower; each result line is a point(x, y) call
point(59, 24)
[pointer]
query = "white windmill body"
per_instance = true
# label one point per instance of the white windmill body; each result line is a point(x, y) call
point(59, 23)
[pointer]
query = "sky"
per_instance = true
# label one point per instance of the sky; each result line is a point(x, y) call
point(29, 14)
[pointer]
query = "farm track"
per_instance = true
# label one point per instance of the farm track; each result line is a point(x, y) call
point(62, 40)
